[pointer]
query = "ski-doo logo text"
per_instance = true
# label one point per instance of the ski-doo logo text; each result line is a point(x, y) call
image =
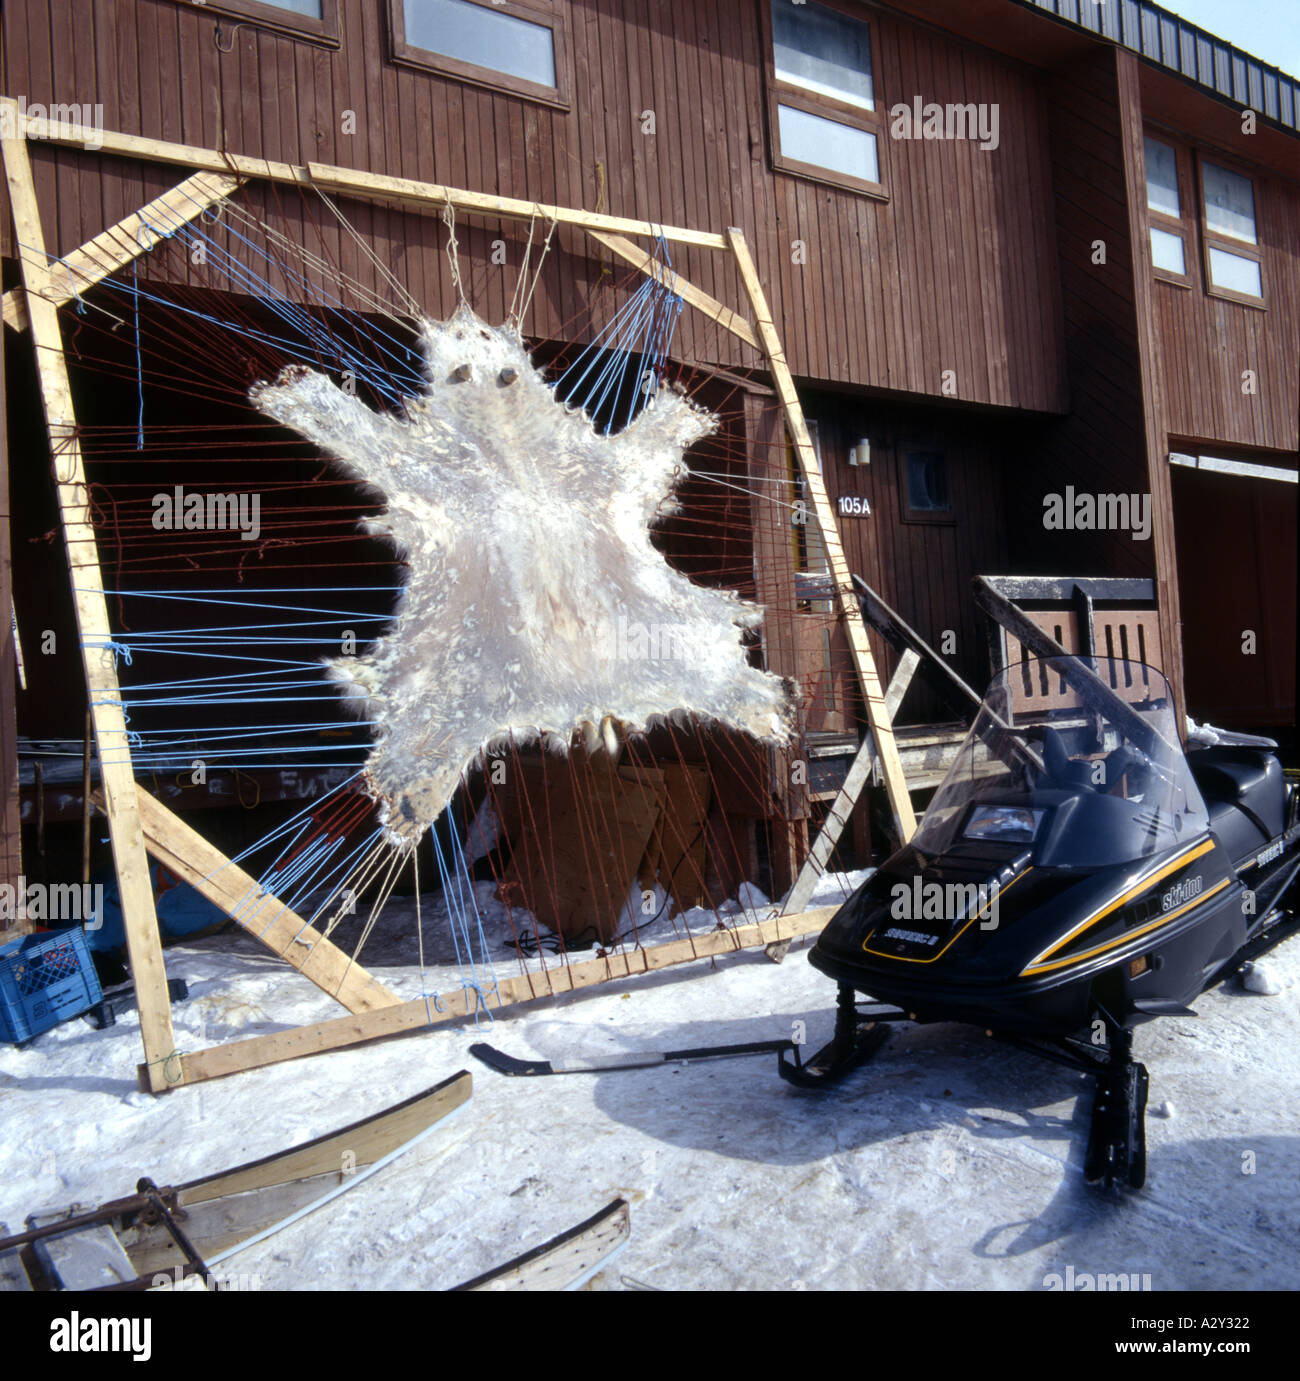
point(1085, 1280)
point(76, 1334)
point(1181, 892)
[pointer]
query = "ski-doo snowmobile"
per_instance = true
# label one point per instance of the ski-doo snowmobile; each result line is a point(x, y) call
point(1075, 874)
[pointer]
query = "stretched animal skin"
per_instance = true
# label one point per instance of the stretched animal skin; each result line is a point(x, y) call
point(535, 602)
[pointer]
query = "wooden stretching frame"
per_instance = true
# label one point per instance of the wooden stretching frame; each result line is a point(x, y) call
point(138, 824)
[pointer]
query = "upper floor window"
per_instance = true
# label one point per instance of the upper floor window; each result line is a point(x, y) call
point(822, 104)
point(1232, 260)
point(517, 45)
point(1232, 256)
point(1165, 210)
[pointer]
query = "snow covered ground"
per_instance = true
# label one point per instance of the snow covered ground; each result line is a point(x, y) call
point(950, 1162)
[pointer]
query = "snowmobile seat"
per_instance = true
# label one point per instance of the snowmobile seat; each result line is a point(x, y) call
point(1244, 778)
point(1062, 772)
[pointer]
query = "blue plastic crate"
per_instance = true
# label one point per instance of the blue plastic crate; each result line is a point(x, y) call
point(45, 979)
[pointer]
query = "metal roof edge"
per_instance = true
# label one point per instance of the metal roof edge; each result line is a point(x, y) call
point(1169, 41)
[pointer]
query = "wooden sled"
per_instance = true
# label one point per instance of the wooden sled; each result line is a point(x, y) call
point(566, 1262)
point(166, 1236)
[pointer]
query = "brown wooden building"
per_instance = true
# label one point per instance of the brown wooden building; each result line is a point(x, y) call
point(1016, 249)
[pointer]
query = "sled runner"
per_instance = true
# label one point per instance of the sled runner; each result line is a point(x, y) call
point(569, 1260)
point(166, 1235)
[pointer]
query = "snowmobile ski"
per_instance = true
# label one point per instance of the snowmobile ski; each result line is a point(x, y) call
point(857, 1037)
point(593, 1064)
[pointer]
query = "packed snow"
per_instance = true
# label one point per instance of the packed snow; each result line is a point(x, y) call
point(951, 1161)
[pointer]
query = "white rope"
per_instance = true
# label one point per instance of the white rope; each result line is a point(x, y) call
point(453, 250)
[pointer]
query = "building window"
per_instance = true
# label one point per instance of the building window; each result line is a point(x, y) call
point(925, 487)
point(1233, 263)
point(317, 19)
point(822, 50)
point(822, 108)
point(1165, 212)
point(514, 45)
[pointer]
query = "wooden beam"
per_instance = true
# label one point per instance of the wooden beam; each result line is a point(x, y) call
point(132, 864)
point(421, 1014)
point(872, 693)
point(121, 243)
point(653, 267)
point(774, 588)
point(1150, 348)
point(351, 181)
point(859, 774)
point(260, 914)
point(434, 196)
point(11, 862)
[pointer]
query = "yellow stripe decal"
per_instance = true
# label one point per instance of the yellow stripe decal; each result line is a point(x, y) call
point(1124, 939)
point(1138, 887)
point(952, 940)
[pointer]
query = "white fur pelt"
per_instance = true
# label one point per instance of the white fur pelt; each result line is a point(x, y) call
point(535, 602)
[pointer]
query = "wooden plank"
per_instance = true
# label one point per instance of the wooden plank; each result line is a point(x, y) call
point(257, 1051)
point(352, 182)
point(121, 243)
point(134, 887)
point(652, 267)
point(842, 807)
point(259, 914)
point(872, 692)
point(774, 589)
point(355, 182)
point(1150, 361)
point(11, 861)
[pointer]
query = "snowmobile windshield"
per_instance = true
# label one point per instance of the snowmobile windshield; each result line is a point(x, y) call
point(1075, 758)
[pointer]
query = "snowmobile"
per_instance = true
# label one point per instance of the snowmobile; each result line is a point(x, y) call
point(1075, 874)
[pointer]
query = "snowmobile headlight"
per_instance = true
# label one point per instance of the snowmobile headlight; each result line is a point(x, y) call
point(1009, 824)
